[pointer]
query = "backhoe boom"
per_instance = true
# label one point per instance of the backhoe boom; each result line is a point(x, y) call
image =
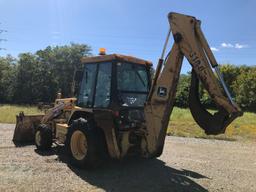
point(190, 42)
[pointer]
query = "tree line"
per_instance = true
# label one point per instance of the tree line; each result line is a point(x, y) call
point(33, 78)
point(37, 77)
point(240, 80)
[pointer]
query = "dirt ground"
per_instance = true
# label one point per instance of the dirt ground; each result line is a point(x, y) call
point(187, 164)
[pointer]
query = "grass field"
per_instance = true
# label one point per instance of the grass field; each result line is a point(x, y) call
point(181, 123)
point(8, 112)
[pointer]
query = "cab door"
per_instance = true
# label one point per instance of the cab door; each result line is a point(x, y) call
point(95, 89)
point(87, 88)
point(103, 85)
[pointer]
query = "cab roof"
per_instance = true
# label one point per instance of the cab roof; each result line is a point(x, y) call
point(111, 57)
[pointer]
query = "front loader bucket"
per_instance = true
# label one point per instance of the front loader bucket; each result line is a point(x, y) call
point(25, 125)
point(212, 124)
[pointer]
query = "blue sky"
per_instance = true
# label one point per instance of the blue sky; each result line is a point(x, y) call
point(129, 27)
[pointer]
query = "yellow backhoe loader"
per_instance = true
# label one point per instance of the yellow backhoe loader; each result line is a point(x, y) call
point(119, 111)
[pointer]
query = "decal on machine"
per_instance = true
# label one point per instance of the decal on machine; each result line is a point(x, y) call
point(161, 91)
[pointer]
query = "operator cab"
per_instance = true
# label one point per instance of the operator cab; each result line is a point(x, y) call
point(114, 82)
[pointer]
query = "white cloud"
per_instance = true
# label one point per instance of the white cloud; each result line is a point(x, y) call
point(236, 46)
point(214, 49)
point(239, 46)
point(227, 45)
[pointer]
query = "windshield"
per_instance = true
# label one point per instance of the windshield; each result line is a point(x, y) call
point(132, 84)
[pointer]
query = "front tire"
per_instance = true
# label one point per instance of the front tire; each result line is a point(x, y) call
point(43, 137)
point(82, 144)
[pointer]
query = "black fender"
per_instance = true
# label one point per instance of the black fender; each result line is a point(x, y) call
point(77, 114)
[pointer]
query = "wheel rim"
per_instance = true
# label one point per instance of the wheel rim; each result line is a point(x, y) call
point(78, 145)
point(38, 138)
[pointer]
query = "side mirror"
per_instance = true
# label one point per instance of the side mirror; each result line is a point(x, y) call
point(78, 76)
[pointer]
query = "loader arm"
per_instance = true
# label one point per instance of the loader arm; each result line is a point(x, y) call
point(26, 124)
point(190, 42)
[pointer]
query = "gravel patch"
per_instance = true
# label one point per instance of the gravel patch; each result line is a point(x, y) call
point(187, 164)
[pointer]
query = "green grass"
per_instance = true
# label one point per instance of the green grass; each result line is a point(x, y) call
point(181, 123)
point(8, 112)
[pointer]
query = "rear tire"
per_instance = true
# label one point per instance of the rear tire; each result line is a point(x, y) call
point(43, 137)
point(83, 144)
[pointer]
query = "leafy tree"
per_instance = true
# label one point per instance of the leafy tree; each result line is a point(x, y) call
point(26, 76)
point(65, 60)
point(245, 89)
point(7, 78)
point(41, 75)
point(181, 99)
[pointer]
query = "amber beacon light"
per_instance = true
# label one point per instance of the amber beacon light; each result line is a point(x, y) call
point(102, 51)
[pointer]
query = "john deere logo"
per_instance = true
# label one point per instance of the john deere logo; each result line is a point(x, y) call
point(162, 91)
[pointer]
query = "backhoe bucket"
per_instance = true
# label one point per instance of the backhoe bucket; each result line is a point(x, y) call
point(212, 124)
point(25, 125)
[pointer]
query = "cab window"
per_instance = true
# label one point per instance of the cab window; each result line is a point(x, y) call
point(85, 98)
point(103, 87)
point(96, 85)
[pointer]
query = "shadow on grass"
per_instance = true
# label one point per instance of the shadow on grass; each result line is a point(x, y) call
point(134, 174)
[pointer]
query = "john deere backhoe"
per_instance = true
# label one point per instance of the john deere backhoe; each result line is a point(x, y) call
point(119, 111)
